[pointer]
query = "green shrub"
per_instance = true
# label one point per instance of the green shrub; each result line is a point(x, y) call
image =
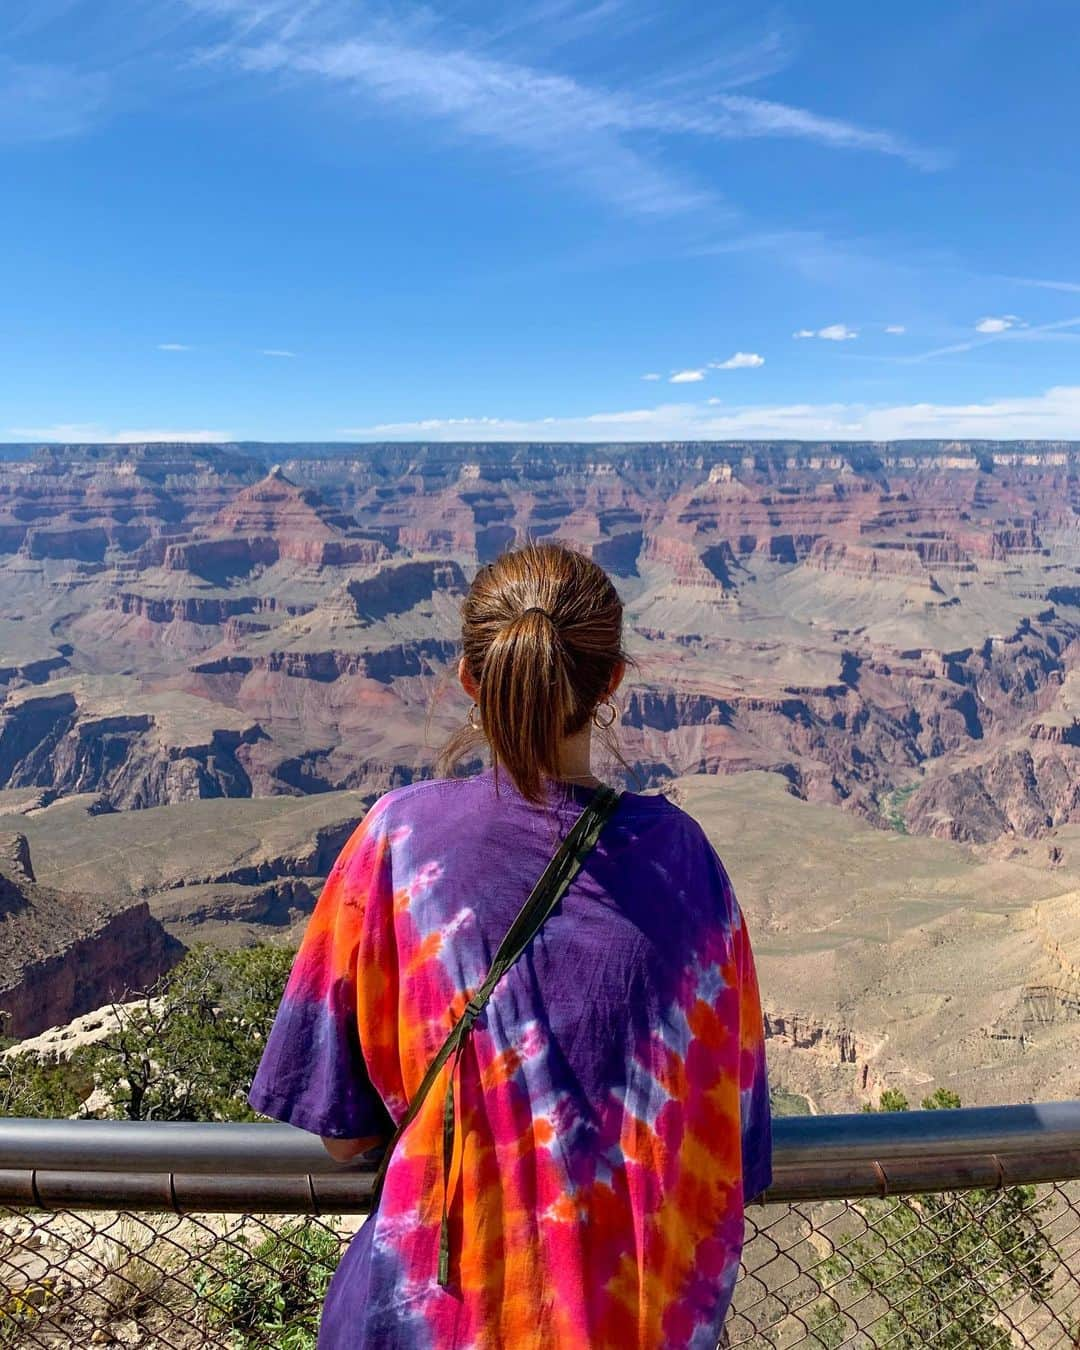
point(271, 1292)
point(933, 1263)
point(29, 1087)
point(187, 1049)
point(783, 1103)
point(24, 1309)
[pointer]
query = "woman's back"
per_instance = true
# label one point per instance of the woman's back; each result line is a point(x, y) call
point(612, 1105)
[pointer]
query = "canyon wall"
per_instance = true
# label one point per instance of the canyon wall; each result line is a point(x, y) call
point(891, 628)
point(63, 954)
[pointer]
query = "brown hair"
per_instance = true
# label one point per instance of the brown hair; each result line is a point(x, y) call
point(541, 632)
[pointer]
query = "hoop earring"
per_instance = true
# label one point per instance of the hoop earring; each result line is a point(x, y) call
point(473, 718)
point(612, 715)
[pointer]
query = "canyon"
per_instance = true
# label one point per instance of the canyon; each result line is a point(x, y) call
point(63, 953)
point(878, 624)
point(886, 633)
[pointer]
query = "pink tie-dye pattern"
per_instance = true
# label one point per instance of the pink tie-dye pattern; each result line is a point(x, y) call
point(620, 1226)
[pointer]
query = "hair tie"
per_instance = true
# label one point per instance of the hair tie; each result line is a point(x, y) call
point(536, 609)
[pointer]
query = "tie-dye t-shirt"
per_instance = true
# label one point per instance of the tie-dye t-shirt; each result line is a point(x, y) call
point(613, 1110)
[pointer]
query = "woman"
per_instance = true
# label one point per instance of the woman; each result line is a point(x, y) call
point(593, 1139)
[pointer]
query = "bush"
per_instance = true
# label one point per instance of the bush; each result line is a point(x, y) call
point(189, 1049)
point(30, 1087)
point(185, 1050)
point(936, 1261)
point(22, 1310)
point(273, 1292)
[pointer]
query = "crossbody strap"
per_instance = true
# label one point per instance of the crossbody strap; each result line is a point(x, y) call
point(545, 895)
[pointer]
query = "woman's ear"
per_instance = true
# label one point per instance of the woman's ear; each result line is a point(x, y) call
point(616, 678)
point(472, 689)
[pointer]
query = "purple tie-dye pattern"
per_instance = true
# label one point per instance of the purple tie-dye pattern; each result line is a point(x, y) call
point(612, 1101)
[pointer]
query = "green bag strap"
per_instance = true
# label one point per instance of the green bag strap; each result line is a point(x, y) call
point(545, 895)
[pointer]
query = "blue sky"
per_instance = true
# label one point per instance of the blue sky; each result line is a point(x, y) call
point(329, 219)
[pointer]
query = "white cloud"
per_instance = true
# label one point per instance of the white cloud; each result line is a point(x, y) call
point(90, 433)
point(758, 117)
point(1020, 332)
point(833, 332)
point(276, 351)
point(580, 131)
point(895, 328)
point(652, 375)
point(474, 84)
point(740, 361)
point(687, 377)
point(173, 347)
point(469, 426)
point(48, 102)
point(1053, 415)
point(996, 325)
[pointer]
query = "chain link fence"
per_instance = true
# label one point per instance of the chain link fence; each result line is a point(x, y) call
point(968, 1269)
point(958, 1270)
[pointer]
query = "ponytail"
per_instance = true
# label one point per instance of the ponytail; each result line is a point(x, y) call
point(541, 638)
point(526, 700)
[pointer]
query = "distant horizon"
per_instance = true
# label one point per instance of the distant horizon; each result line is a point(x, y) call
point(1050, 442)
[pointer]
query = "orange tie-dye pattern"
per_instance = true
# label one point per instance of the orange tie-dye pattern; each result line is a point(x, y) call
point(572, 1223)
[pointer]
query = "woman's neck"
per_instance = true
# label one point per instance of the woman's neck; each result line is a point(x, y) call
point(575, 758)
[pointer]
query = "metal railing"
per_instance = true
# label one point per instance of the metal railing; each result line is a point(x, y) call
point(952, 1228)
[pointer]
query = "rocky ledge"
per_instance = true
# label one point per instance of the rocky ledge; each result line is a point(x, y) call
point(63, 954)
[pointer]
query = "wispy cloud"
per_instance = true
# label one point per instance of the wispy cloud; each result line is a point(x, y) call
point(92, 433)
point(833, 332)
point(826, 261)
point(686, 377)
point(895, 328)
point(739, 60)
point(276, 351)
point(40, 102)
point(1038, 332)
point(578, 131)
point(759, 117)
point(740, 361)
point(996, 325)
point(173, 347)
point(652, 375)
point(1052, 415)
point(1071, 287)
point(604, 137)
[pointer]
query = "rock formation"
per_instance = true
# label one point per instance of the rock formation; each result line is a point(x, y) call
point(888, 627)
point(63, 953)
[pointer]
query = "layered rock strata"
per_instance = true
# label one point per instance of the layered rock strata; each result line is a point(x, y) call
point(64, 953)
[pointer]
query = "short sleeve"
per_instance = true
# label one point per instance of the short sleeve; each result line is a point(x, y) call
point(755, 1112)
point(313, 1073)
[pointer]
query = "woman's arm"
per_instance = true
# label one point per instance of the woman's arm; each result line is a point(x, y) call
point(753, 1075)
point(313, 1073)
point(344, 1150)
